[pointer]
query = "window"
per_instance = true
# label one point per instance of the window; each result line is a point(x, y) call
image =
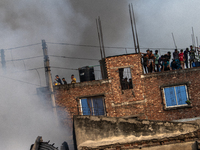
point(92, 106)
point(125, 78)
point(175, 96)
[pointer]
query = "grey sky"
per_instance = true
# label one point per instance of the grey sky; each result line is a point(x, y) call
point(74, 22)
point(25, 22)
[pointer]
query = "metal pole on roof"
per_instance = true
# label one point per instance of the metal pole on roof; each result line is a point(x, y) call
point(101, 33)
point(159, 52)
point(126, 50)
point(193, 39)
point(133, 32)
point(99, 38)
point(174, 40)
point(197, 45)
point(138, 47)
point(3, 62)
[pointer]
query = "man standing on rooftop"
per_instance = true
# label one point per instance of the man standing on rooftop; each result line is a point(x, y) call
point(156, 61)
point(73, 80)
point(181, 58)
point(58, 80)
point(186, 57)
point(192, 55)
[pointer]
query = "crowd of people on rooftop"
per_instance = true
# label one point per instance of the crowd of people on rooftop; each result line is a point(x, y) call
point(155, 63)
point(58, 81)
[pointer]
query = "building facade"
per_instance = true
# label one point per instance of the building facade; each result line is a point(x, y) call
point(128, 92)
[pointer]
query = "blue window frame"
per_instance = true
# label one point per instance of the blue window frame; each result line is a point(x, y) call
point(175, 96)
point(93, 106)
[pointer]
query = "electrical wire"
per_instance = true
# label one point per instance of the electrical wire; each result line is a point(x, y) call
point(19, 80)
point(27, 70)
point(63, 68)
point(22, 46)
point(94, 46)
point(12, 58)
point(72, 57)
point(23, 58)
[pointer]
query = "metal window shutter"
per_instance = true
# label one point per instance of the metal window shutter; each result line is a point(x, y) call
point(85, 107)
point(98, 106)
point(181, 95)
point(170, 96)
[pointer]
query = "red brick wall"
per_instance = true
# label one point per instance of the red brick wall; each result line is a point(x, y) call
point(117, 102)
point(145, 99)
point(154, 107)
point(123, 99)
point(67, 96)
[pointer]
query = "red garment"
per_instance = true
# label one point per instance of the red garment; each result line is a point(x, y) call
point(180, 55)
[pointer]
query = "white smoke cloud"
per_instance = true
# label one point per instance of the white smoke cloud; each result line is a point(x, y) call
point(25, 22)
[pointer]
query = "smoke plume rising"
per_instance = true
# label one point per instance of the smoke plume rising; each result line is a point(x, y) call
point(25, 22)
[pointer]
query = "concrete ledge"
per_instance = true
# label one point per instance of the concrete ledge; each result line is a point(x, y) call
point(128, 103)
point(98, 131)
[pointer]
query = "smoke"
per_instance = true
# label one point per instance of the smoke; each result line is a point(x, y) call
point(23, 115)
point(25, 22)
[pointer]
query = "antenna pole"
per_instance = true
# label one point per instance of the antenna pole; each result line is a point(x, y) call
point(197, 45)
point(138, 47)
point(99, 38)
point(3, 62)
point(174, 40)
point(133, 33)
point(101, 33)
point(193, 38)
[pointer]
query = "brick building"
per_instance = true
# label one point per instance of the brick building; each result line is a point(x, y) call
point(155, 96)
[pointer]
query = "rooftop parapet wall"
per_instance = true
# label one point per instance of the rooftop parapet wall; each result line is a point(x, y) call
point(82, 84)
point(94, 132)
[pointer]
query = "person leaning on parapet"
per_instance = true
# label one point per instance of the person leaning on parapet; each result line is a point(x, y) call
point(58, 80)
point(73, 80)
point(64, 81)
point(175, 55)
point(181, 58)
point(168, 56)
point(165, 65)
point(174, 65)
point(192, 55)
point(186, 57)
point(145, 62)
point(151, 63)
point(157, 66)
